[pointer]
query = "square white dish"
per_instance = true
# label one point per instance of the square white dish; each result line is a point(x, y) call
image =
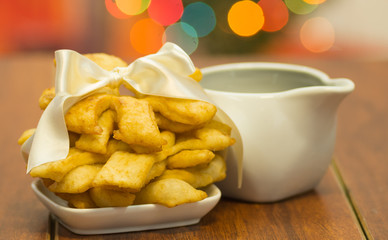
point(125, 219)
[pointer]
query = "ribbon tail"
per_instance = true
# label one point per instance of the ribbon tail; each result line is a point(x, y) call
point(238, 146)
point(76, 78)
point(51, 140)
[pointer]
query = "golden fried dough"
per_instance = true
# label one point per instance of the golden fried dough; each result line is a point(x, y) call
point(211, 137)
point(156, 170)
point(168, 137)
point(125, 170)
point(193, 178)
point(115, 146)
point(78, 200)
point(49, 93)
point(58, 169)
point(136, 123)
point(169, 192)
point(143, 150)
point(222, 127)
point(47, 181)
point(135, 149)
point(26, 135)
point(167, 124)
point(201, 175)
point(189, 158)
point(46, 97)
point(78, 180)
point(73, 137)
point(97, 143)
point(192, 112)
point(197, 75)
point(216, 169)
point(103, 197)
point(83, 116)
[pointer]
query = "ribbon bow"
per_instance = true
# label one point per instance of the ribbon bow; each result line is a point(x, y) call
point(165, 73)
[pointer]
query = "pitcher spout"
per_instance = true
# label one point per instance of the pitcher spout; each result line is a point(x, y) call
point(332, 94)
point(342, 85)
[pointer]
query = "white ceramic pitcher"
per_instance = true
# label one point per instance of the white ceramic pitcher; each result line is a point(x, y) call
point(286, 116)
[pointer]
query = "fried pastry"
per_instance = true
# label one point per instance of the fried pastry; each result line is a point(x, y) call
point(135, 149)
point(189, 158)
point(83, 117)
point(125, 170)
point(169, 192)
point(201, 175)
point(78, 180)
point(58, 169)
point(78, 200)
point(104, 197)
point(46, 97)
point(26, 135)
point(136, 124)
point(97, 143)
point(186, 111)
point(177, 127)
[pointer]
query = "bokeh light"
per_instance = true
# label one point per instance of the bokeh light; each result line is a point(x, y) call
point(165, 12)
point(245, 18)
point(132, 7)
point(201, 17)
point(317, 35)
point(182, 34)
point(112, 8)
point(275, 14)
point(314, 1)
point(300, 7)
point(146, 36)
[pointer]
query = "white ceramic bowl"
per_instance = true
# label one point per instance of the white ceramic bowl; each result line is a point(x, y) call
point(125, 219)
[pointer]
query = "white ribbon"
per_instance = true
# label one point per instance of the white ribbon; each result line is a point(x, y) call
point(165, 73)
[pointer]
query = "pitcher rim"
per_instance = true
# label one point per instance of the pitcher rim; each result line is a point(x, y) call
point(328, 83)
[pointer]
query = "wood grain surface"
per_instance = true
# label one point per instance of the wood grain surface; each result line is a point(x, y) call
point(362, 148)
point(349, 203)
point(22, 216)
point(320, 214)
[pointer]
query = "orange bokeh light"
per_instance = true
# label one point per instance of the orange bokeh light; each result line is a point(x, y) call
point(275, 14)
point(146, 36)
point(317, 35)
point(245, 18)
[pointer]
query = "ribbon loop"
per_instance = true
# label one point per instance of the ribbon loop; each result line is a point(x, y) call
point(164, 73)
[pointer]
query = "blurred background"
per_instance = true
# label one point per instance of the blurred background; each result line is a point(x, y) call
point(130, 29)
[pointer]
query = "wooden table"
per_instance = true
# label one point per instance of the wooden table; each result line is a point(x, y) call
point(349, 203)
